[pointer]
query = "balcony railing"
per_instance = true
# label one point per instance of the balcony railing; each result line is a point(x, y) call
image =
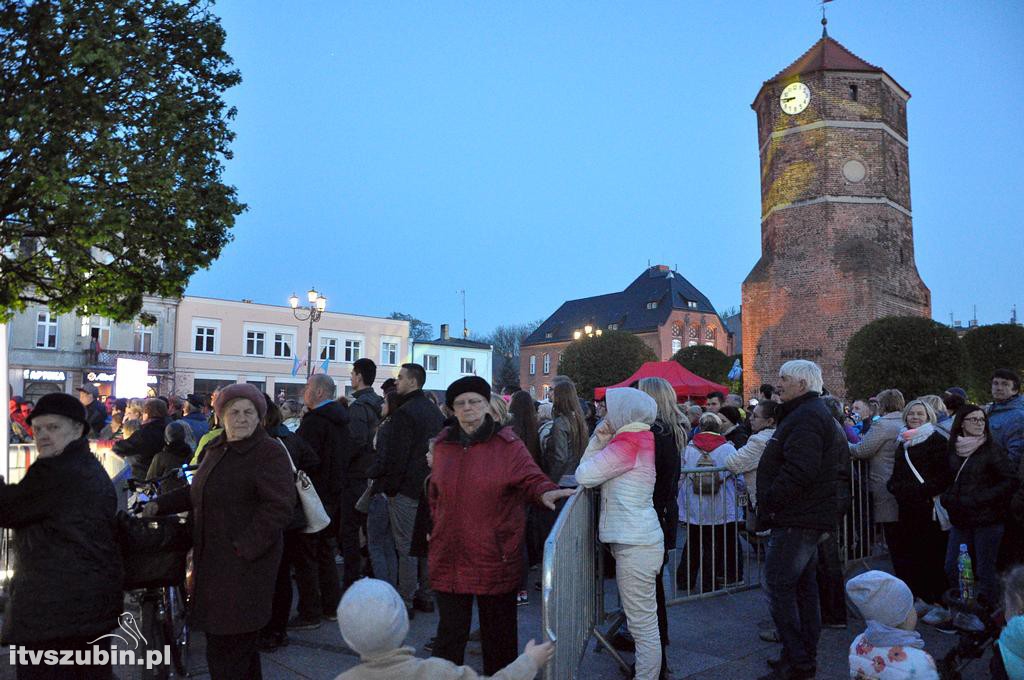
point(109, 357)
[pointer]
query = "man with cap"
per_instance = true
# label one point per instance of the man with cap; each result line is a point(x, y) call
point(192, 415)
point(890, 647)
point(95, 413)
point(480, 482)
point(374, 623)
point(66, 589)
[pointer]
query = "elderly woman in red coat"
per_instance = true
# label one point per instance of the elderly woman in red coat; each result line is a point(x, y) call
point(481, 479)
point(242, 497)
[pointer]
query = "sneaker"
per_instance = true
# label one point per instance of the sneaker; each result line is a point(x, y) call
point(338, 559)
point(429, 646)
point(271, 642)
point(770, 635)
point(522, 598)
point(333, 616)
point(946, 627)
point(936, 616)
point(837, 625)
point(299, 623)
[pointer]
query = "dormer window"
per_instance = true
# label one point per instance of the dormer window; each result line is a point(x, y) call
point(613, 326)
point(548, 335)
point(652, 305)
point(691, 304)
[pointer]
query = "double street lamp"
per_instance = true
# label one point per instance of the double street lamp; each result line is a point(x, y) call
point(588, 331)
point(312, 313)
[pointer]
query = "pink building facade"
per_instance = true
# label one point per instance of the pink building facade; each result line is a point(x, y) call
point(219, 342)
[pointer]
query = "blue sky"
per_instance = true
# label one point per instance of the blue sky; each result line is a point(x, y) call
point(392, 153)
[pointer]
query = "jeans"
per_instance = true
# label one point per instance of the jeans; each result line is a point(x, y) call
point(381, 542)
point(983, 547)
point(831, 585)
point(790, 567)
point(327, 571)
point(499, 630)
point(350, 522)
point(636, 571)
point(402, 513)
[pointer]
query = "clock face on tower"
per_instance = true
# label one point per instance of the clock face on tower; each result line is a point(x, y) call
point(795, 98)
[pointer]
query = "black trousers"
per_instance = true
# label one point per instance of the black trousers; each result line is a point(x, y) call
point(299, 556)
point(499, 633)
point(918, 549)
point(831, 586)
point(234, 657)
point(350, 523)
point(327, 571)
point(57, 672)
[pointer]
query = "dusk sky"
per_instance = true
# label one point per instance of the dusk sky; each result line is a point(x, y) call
point(392, 153)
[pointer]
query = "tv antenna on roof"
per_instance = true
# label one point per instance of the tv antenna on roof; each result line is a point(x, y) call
point(465, 330)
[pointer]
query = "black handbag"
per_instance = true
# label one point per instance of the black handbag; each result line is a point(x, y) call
point(153, 549)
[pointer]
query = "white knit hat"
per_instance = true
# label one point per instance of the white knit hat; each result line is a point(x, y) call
point(881, 597)
point(372, 617)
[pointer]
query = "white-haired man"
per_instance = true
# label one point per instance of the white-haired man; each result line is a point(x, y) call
point(796, 497)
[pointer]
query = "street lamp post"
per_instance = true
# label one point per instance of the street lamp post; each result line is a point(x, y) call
point(312, 313)
point(588, 331)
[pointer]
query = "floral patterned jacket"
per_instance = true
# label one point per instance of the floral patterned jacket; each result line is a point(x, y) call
point(890, 663)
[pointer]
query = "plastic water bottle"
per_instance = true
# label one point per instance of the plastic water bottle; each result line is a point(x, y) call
point(966, 571)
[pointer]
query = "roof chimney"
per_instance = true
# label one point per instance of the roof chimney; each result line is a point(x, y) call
point(444, 331)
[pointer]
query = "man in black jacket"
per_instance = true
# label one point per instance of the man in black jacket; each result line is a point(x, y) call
point(404, 467)
point(325, 429)
point(796, 497)
point(363, 417)
point(95, 412)
point(139, 449)
point(66, 590)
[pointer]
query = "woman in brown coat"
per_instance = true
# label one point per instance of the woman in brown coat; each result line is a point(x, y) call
point(242, 497)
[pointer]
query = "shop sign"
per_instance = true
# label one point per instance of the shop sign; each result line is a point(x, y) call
point(39, 374)
point(101, 377)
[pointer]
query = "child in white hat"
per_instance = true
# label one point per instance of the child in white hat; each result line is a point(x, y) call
point(374, 623)
point(890, 648)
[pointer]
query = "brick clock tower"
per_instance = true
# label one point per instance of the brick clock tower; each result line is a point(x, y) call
point(837, 241)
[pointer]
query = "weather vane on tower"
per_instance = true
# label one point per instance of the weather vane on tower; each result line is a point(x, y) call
point(824, 21)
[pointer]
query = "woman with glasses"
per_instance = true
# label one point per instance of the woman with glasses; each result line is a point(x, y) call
point(983, 482)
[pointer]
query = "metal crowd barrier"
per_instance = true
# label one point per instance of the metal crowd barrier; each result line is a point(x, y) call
point(717, 556)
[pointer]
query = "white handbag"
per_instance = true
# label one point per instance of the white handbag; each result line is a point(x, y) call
point(317, 518)
point(939, 513)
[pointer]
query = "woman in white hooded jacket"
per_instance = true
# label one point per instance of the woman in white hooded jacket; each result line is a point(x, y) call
point(620, 459)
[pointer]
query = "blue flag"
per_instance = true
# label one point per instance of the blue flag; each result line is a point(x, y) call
point(295, 365)
point(735, 372)
point(323, 366)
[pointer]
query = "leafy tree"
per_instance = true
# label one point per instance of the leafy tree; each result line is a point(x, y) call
point(603, 360)
point(706, 361)
point(418, 330)
point(1000, 345)
point(114, 133)
point(916, 355)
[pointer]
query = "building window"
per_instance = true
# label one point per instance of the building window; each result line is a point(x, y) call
point(329, 349)
point(546, 389)
point(205, 339)
point(353, 350)
point(255, 343)
point(143, 339)
point(430, 362)
point(467, 366)
point(547, 364)
point(709, 336)
point(677, 345)
point(533, 392)
point(652, 305)
point(389, 353)
point(613, 326)
point(548, 335)
point(853, 93)
point(283, 345)
point(533, 364)
point(691, 304)
point(46, 331)
point(100, 331)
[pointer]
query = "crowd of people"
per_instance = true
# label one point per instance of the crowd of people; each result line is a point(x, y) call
point(439, 504)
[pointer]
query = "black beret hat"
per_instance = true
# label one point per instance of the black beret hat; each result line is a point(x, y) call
point(471, 383)
point(59, 404)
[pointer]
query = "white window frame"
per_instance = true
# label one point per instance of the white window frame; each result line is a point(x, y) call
point(46, 321)
point(352, 350)
point(139, 338)
point(102, 324)
point(533, 392)
point(330, 343)
point(691, 304)
point(471, 365)
point(652, 305)
point(259, 342)
point(387, 341)
point(212, 324)
point(677, 345)
point(533, 364)
point(547, 363)
point(427, 361)
point(340, 338)
point(286, 339)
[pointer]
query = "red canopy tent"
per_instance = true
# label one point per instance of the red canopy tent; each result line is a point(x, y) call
point(686, 384)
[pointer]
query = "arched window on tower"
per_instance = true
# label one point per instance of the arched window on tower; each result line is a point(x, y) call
point(709, 336)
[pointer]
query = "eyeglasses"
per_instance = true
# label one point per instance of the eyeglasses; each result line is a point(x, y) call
point(974, 420)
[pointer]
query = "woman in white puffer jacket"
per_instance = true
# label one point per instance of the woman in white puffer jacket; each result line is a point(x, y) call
point(620, 459)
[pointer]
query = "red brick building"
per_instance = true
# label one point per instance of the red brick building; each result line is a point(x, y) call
point(660, 307)
point(837, 241)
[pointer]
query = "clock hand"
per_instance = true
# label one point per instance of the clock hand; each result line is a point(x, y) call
point(788, 99)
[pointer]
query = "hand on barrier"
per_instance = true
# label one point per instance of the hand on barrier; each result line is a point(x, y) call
point(541, 654)
point(549, 497)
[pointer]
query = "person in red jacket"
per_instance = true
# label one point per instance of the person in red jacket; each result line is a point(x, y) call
point(481, 478)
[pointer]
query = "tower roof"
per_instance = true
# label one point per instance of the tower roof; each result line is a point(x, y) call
point(828, 55)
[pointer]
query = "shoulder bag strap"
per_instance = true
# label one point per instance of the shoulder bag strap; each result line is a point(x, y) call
point(287, 453)
point(961, 468)
point(906, 456)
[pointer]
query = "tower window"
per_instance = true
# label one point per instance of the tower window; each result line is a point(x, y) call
point(853, 93)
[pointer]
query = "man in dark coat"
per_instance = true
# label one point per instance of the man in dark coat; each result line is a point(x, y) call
point(95, 412)
point(192, 415)
point(325, 429)
point(139, 449)
point(66, 590)
point(796, 497)
point(404, 467)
